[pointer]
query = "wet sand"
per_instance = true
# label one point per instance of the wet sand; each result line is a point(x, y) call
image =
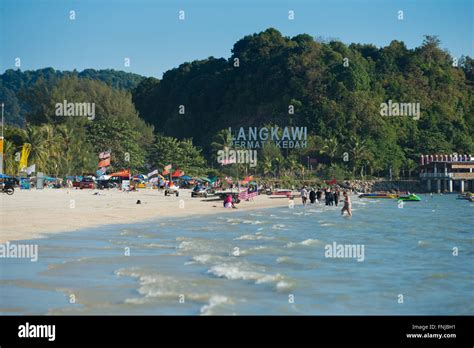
point(32, 214)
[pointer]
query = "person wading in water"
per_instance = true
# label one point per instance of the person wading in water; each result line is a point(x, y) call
point(347, 204)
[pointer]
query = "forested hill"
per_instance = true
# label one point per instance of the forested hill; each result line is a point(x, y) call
point(267, 72)
point(14, 83)
point(336, 91)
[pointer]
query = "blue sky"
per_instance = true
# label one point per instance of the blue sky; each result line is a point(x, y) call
point(149, 32)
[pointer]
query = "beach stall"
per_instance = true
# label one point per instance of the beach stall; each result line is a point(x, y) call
point(139, 180)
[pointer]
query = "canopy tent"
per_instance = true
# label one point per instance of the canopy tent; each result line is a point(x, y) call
point(177, 173)
point(212, 179)
point(139, 177)
point(123, 173)
point(204, 179)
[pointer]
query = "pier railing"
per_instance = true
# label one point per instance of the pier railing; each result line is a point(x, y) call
point(436, 175)
point(456, 176)
point(465, 176)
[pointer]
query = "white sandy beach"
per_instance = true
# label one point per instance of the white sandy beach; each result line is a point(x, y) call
point(35, 213)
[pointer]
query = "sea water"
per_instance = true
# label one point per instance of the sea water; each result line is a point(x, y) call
point(418, 259)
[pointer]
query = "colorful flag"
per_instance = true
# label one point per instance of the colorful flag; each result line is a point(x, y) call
point(25, 152)
point(177, 173)
point(246, 196)
point(166, 169)
point(104, 163)
point(31, 169)
point(104, 155)
point(1, 155)
point(155, 172)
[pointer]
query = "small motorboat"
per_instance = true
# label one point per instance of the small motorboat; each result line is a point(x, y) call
point(378, 195)
point(281, 193)
point(409, 198)
point(467, 195)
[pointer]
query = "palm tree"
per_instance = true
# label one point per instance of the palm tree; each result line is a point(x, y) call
point(411, 166)
point(221, 140)
point(267, 166)
point(54, 148)
point(359, 153)
point(11, 166)
point(39, 152)
point(291, 165)
point(330, 148)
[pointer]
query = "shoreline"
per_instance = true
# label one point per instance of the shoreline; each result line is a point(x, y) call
point(39, 213)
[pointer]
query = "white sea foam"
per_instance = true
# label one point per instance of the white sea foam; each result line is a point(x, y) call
point(253, 237)
point(214, 301)
point(233, 272)
point(278, 227)
point(283, 259)
point(159, 246)
point(208, 258)
point(253, 250)
point(284, 286)
point(310, 242)
point(307, 242)
point(137, 300)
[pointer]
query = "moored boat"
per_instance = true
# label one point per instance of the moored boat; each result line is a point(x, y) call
point(378, 195)
point(281, 193)
point(467, 195)
point(409, 198)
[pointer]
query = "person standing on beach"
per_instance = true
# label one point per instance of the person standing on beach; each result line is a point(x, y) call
point(304, 195)
point(347, 204)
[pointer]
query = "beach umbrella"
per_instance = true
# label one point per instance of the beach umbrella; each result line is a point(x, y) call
point(205, 179)
point(185, 177)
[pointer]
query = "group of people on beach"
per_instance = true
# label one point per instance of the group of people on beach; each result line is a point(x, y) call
point(331, 198)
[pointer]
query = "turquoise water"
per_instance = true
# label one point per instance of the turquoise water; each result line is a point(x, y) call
point(260, 262)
